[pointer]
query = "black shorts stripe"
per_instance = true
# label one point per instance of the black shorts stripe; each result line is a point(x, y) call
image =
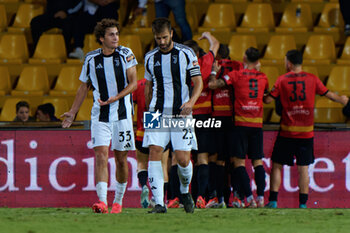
point(175, 71)
point(120, 79)
point(102, 86)
point(159, 79)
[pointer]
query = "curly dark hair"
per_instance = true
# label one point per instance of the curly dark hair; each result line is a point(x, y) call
point(100, 28)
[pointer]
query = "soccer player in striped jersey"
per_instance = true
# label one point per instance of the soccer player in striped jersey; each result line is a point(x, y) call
point(296, 90)
point(111, 72)
point(202, 111)
point(169, 69)
point(249, 85)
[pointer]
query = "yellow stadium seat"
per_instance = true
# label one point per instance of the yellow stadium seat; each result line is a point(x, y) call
point(274, 117)
point(323, 102)
point(61, 105)
point(239, 44)
point(33, 81)
point(140, 72)
point(50, 49)
point(345, 56)
point(308, 1)
point(192, 17)
point(311, 69)
point(329, 115)
point(204, 44)
point(219, 17)
point(277, 48)
point(320, 49)
point(272, 74)
point(5, 84)
point(25, 13)
point(13, 49)
point(8, 112)
point(258, 17)
point(134, 43)
point(67, 82)
point(296, 18)
point(3, 18)
point(84, 113)
point(90, 43)
point(339, 80)
point(331, 19)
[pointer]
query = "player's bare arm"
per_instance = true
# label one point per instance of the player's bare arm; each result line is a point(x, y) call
point(213, 82)
point(336, 98)
point(78, 101)
point(132, 78)
point(186, 108)
point(148, 93)
point(214, 44)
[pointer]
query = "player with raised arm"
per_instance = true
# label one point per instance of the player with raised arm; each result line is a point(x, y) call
point(111, 72)
point(202, 111)
point(296, 90)
point(249, 85)
point(169, 69)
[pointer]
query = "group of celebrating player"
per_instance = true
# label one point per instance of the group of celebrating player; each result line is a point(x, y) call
point(181, 81)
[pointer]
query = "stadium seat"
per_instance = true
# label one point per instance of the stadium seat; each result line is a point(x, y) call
point(67, 82)
point(204, 44)
point(308, 1)
point(3, 18)
point(8, 112)
point(345, 56)
point(339, 80)
point(329, 115)
point(13, 49)
point(90, 43)
point(84, 113)
point(277, 48)
point(324, 102)
point(24, 15)
point(219, 17)
point(5, 84)
point(274, 117)
point(331, 19)
point(311, 69)
point(272, 74)
point(61, 105)
point(258, 17)
point(134, 43)
point(297, 17)
point(33, 81)
point(192, 16)
point(51, 49)
point(140, 72)
point(320, 50)
point(239, 44)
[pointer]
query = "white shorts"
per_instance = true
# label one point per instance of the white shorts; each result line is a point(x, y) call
point(183, 139)
point(120, 132)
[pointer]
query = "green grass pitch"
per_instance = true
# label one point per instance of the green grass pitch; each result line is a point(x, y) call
point(61, 220)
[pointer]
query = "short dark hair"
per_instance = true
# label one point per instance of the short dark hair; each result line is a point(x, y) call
point(47, 108)
point(224, 51)
point(21, 104)
point(100, 28)
point(160, 24)
point(193, 45)
point(295, 57)
point(252, 54)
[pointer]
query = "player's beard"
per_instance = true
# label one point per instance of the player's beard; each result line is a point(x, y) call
point(165, 47)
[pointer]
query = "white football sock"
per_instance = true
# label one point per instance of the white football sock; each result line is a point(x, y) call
point(156, 181)
point(101, 190)
point(119, 192)
point(185, 176)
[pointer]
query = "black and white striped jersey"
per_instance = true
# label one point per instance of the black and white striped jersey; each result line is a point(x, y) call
point(171, 75)
point(107, 75)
